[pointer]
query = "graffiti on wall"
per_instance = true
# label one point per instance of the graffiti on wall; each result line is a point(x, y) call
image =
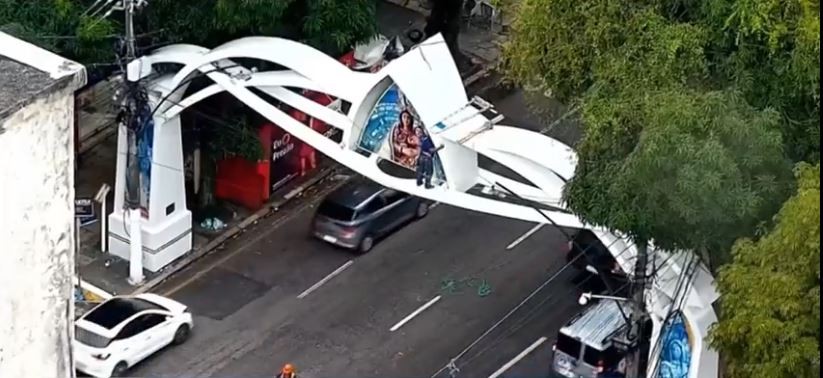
point(675, 353)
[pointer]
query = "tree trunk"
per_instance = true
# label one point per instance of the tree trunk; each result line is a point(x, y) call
point(445, 18)
point(209, 173)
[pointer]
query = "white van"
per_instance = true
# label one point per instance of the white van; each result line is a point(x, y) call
point(584, 346)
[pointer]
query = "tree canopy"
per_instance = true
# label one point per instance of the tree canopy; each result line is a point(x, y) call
point(771, 293)
point(689, 108)
point(682, 168)
point(768, 50)
point(66, 27)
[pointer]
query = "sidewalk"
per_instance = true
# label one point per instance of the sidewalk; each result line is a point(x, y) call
point(109, 272)
point(98, 144)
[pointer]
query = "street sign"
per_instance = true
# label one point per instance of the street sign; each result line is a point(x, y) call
point(83, 208)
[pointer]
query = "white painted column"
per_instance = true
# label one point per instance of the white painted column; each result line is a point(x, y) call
point(135, 248)
point(104, 231)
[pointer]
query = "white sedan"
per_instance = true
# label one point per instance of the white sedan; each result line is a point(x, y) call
point(124, 330)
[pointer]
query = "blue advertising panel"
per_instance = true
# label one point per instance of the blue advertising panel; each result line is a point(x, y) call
point(675, 355)
point(394, 132)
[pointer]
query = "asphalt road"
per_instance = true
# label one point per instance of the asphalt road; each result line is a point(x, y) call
point(255, 308)
point(249, 319)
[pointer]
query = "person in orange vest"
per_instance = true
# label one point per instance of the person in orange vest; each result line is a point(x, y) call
point(287, 372)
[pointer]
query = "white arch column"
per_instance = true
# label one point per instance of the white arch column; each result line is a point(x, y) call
point(166, 225)
point(431, 85)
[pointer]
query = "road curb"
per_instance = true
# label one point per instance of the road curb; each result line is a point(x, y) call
point(233, 231)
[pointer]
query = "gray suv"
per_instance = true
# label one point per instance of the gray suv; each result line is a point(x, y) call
point(360, 212)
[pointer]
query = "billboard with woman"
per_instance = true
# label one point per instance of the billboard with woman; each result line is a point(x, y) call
point(394, 132)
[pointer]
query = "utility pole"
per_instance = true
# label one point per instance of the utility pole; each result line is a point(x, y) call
point(132, 107)
point(638, 317)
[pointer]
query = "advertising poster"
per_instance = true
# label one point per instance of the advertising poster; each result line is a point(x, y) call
point(284, 157)
point(675, 356)
point(394, 131)
point(144, 157)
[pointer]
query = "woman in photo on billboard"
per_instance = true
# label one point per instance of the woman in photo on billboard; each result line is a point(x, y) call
point(405, 144)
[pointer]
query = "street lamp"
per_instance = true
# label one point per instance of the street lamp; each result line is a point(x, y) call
point(586, 297)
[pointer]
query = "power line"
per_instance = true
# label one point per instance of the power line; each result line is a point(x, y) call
point(452, 362)
point(683, 286)
point(530, 315)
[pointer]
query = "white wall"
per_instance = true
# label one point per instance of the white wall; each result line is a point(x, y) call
point(36, 238)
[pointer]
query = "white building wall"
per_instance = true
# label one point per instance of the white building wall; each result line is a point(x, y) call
point(36, 238)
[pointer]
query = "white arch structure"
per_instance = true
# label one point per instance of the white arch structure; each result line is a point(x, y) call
point(429, 80)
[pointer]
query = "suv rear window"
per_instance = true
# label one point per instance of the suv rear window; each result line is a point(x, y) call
point(610, 356)
point(90, 338)
point(568, 345)
point(336, 211)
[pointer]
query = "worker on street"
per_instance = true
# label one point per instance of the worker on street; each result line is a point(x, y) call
point(287, 372)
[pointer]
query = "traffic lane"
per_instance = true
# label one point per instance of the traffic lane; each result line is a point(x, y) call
point(279, 255)
point(343, 327)
point(537, 322)
point(264, 266)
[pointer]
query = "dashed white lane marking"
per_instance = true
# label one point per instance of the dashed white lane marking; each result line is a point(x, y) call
point(325, 279)
point(415, 313)
point(519, 357)
point(432, 206)
point(525, 236)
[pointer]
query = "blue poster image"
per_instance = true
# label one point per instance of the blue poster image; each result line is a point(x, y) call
point(394, 132)
point(144, 156)
point(675, 355)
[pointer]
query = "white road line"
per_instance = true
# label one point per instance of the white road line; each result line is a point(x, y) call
point(519, 357)
point(432, 206)
point(325, 279)
point(415, 313)
point(525, 236)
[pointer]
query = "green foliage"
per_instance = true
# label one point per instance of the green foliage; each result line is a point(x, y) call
point(771, 51)
point(240, 140)
point(336, 25)
point(570, 46)
point(331, 25)
point(685, 108)
point(684, 168)
point(59, 25)
point(771, 293)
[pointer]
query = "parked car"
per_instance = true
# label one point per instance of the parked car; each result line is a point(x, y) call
point(597, 258)
point(124, 330)
point(360, 212)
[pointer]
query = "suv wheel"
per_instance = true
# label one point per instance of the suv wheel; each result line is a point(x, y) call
point(366, 244)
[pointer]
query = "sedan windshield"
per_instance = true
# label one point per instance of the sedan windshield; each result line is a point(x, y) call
point(90, 338)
